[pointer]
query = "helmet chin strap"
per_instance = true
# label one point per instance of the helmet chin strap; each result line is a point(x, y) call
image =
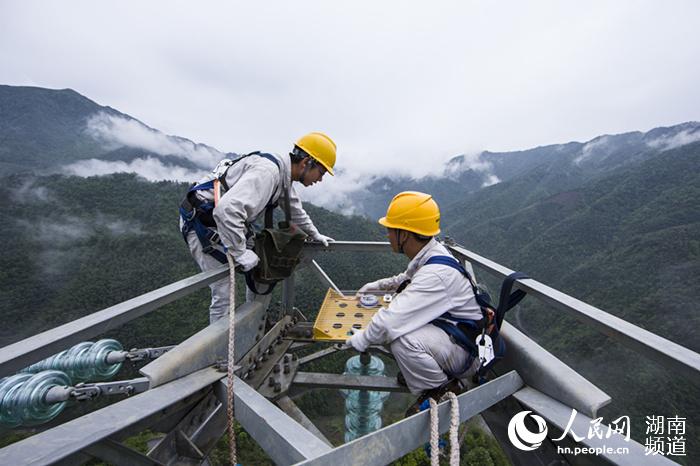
point(303, 174)
point(398, 241)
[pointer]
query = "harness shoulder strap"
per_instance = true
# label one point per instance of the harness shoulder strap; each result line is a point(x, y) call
point(506, 301)
point(454, 263)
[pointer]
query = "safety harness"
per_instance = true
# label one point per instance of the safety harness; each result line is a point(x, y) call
point(197, 215)
point(464, 332)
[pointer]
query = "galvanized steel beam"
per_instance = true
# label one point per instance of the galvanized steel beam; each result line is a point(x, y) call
point(378, 383)
point(392, 442)
point(288, 295)
point(665, 352)
point(208, 345)
point(318, 355)
point(543, 371)
point(559, 414)
point(166, 450)
point(30, 350)
point(356, 246)
point(324, 277)
point(290, 408)
point(120, 455)
point(283, 439)
point(73, 436)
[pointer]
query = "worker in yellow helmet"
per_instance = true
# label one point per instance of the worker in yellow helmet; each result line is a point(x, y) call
point(218, 212)
point(431, 289)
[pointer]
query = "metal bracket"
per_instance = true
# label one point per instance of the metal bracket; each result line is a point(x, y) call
point(302, 331)
point(142, 354)
point(89, 391)
point(259, 361)
point(279, 380)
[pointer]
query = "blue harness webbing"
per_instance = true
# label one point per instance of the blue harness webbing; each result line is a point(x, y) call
point(451, 324)
point(191, 219)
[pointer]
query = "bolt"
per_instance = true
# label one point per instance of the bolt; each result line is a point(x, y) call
point(271, 381)
point(286, 368)
point(264, 357)
point(307, 334)
point(278, 387)
point(276, 369)
point(257, 337)
point(286, 358)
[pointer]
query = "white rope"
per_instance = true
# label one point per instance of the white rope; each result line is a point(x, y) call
point(454, 431)
point(231, 360)
point(434, 435)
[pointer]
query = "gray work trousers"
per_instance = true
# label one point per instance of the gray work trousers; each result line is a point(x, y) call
point(424, 355)
point(220, 299)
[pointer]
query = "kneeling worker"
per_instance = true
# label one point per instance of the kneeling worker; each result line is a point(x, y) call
point(248, 186)
point(430, 295)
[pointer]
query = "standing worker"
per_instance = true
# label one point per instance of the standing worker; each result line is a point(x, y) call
point(218, 212)
point(432, 299)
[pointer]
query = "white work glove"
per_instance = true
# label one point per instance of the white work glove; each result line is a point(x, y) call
point(247, 260)
point(356, 341)
point(323, 239)
point(368, 287)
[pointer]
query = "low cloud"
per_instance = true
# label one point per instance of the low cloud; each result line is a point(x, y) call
point(149, 168)
point(115, 132)
point(473, 161)
point(490, 180)
point(59, 242)
point(335, 192)
point(29, 193)
point(682, 138)
point(61, 233)
point(596, 147)
point(70, 229)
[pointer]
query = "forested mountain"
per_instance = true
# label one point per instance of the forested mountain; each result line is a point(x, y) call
point(626, 241)
point(45, 130)
point(74, 245)
point(614, 222)
point(546, 170)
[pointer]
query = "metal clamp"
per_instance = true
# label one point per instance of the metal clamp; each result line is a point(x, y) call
point(142, 354)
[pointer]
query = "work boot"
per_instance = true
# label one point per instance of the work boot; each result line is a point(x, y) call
point(454, 386)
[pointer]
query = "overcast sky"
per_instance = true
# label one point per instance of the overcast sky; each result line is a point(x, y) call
point(398, 85)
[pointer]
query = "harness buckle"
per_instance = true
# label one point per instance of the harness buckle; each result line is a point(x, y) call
point(214, 237)
point(191, 215)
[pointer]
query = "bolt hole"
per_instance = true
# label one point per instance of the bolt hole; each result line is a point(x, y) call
point(340, 314)
point(356, 325)
point(343, 305)
point(337, 325)
point(359, 315)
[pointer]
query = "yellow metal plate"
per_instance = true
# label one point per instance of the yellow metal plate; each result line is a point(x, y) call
point(338, 314)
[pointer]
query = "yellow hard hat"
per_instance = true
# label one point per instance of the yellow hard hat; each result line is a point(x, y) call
point(413, 211)
point(320, 147)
